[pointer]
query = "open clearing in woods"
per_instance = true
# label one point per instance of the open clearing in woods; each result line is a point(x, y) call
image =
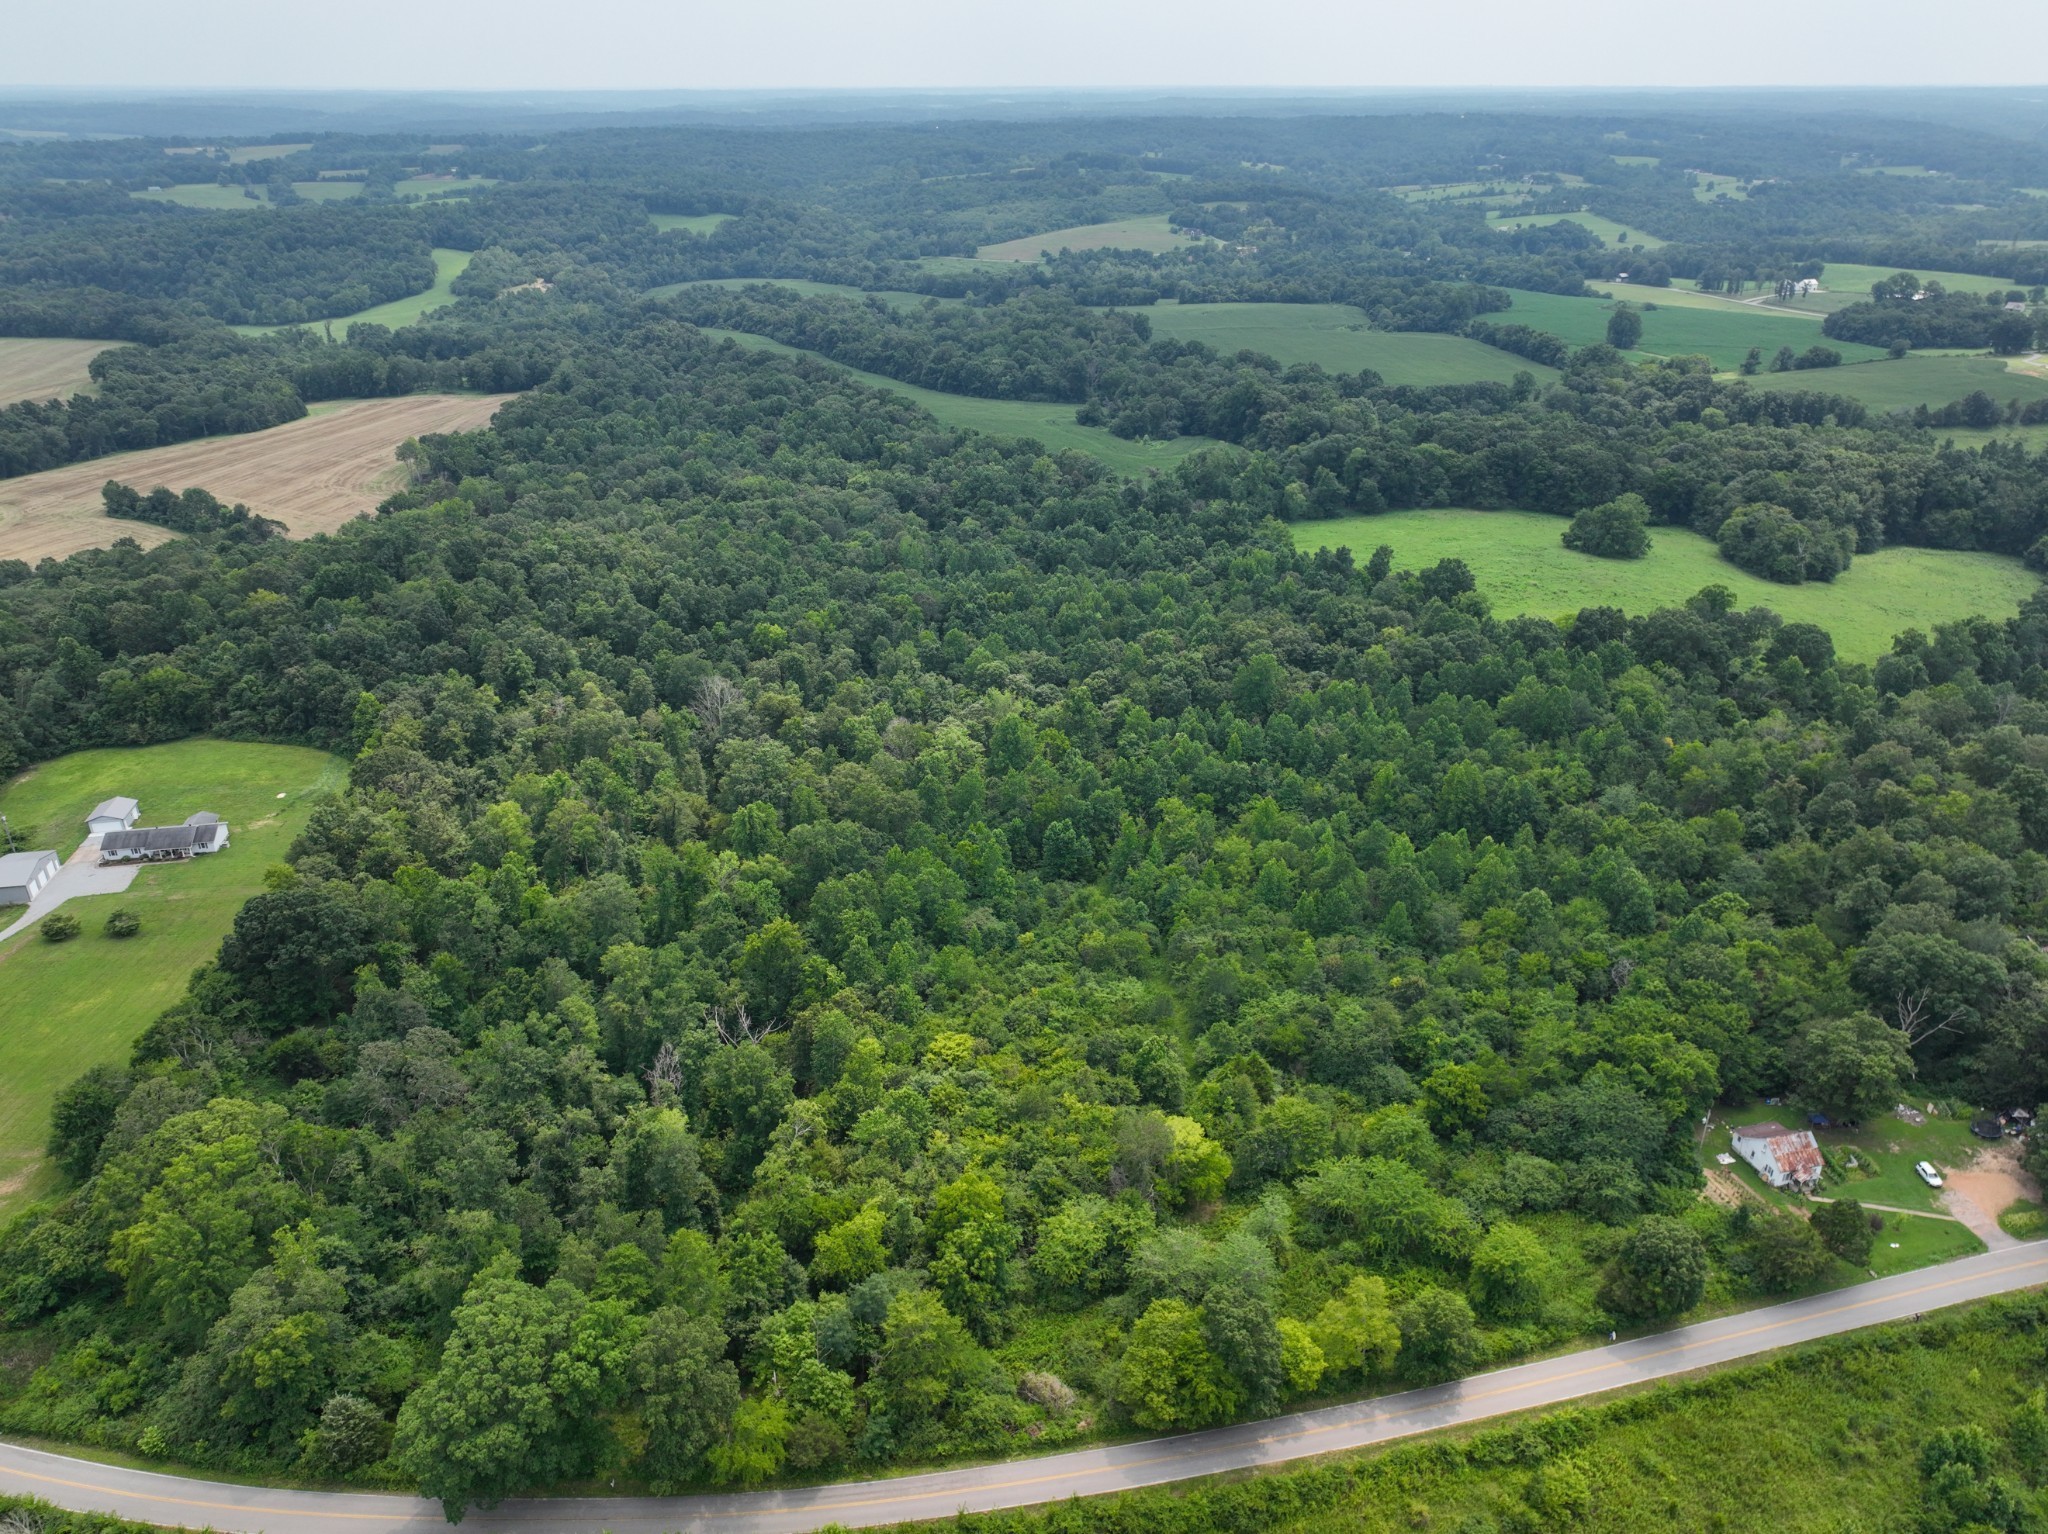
point(42, 368)
point(66, 1007)
point(1522, 566)
point(1053, 425)
point(1145, 231)
point(398, 313)
point(312, 475)
point(1340, 339)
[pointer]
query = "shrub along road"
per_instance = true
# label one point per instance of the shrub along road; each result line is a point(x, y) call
point(85, 1486)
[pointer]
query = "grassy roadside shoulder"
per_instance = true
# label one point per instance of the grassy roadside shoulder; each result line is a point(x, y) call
point(1797, 1443)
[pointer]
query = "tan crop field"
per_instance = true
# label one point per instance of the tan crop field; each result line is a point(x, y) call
point(45, 369)
point(312, 475)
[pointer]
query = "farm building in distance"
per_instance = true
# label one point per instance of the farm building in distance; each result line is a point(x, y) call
point(202, 834)
point(1784, 1158)
point(113, 815)
point(23, 875)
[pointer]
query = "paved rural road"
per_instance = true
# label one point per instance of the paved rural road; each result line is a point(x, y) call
point(85, 1486)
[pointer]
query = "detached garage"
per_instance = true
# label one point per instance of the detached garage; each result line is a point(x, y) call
point(23, 875)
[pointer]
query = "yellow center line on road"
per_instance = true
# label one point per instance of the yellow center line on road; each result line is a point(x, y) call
point(1015, 1483)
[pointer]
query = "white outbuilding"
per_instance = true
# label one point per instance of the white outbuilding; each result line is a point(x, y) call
point(23, 875)
point(112, 815)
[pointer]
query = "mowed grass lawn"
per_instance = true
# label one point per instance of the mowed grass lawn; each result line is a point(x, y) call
point(1053, 425)
point(1684, 329)
point(400, 312)
point(1915, 379)
point(1523, 567)
point(65, 1007)
point(1338, 338)
point(1144, 231)
point(1617, 235)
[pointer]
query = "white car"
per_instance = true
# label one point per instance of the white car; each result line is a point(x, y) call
point(1927, 1173)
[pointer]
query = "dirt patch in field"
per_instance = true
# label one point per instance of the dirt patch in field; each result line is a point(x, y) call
point(312, 475)
point(45, 369)
point(1991, 1184)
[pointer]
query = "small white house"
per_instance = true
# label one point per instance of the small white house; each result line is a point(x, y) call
point(1784, 1158)
point(1805, 287)
point(165, 844)
point(23, 875)
point(112, 815)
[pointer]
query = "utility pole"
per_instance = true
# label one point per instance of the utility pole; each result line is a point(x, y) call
point(7, 831)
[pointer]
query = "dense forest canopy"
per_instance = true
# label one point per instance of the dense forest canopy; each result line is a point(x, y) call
point(849, 941)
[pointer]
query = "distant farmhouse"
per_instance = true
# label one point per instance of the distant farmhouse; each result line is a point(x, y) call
point(23, 875)
point(1784, 1158)
point(113, 815)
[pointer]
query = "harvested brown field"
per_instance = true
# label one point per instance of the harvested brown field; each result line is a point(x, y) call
point(45, 369)
point(312, 475)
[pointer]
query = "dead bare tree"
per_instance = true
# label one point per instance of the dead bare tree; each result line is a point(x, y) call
point(737, 1027)
point(1917, 1023)
point(665, 1076)
point(717, 697)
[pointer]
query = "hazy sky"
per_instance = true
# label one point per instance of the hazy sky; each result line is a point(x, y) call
point(586, 44)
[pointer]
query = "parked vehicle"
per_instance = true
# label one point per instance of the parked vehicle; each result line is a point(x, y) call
point(1927, 1173)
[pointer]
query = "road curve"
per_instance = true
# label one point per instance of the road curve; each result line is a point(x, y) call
point(84, 1486)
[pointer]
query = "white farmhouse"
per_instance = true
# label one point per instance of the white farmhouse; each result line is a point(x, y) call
point(1784, 1158)
point(23, 875)
point(112, 815)
point(202, 834)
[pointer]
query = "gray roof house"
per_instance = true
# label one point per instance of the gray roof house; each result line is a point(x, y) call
point(23, 875)
point(112, 815)
point(158, 844)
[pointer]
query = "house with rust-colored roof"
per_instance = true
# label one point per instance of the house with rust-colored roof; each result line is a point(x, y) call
point(1784, 1158)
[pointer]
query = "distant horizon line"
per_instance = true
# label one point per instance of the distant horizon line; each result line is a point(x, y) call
point(168, 91)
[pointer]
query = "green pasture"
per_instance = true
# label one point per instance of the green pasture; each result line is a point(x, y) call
point(440, 186)
point(1490, 192)
point(1707, 187)
point(1620, 236)
point(1915, 379)
point(1143, 231)
point(1845, 283)
point(1680, 296)
point(230, 199)
point(242, 154)
point(1053, 425)
point(693, 223)
point(1636, 159)
point(65, 1007)
point(1850, 277)
point(448, 265)
point(206, 194)
point(1724, 333)
point(1338, 338)
point(1523, 567)
point(894, 298)
point(962, 266)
